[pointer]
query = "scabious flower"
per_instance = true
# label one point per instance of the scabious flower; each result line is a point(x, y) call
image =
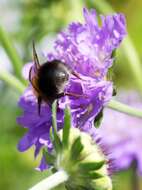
point(87, 48)
point(123, 134)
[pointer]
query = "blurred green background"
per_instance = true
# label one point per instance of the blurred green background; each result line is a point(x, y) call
point(25, 20)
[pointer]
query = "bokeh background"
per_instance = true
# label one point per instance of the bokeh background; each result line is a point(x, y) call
point(25, 20)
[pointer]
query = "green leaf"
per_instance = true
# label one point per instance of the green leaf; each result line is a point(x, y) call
point(67, 125)
point(50, 159)
point(76, 149)
point(98, 119)
point(57, 143)
point(93, 175)
point(89, 166)
point(51, 134)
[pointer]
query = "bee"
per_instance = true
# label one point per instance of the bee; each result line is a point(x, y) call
point(49, 80)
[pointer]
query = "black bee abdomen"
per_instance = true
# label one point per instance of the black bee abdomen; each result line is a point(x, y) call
point(51, 78)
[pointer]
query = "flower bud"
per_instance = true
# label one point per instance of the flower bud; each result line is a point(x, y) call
point(88, 167)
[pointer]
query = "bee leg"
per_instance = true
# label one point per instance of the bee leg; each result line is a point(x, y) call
point(71, 94)
point(39, 101)
point(60, 95)
point(75, 95)
point(76, 74)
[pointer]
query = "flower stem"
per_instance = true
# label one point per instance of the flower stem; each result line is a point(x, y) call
point(127, 46)
point(113, 104)
point(11, 52)
point(52, 181)
point(11, 80)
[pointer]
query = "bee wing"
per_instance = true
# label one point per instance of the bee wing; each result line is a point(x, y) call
point(35, 57)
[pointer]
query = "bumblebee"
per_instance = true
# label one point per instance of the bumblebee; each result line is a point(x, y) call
point(49, 80)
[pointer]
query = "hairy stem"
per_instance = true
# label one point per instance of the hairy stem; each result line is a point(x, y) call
point(12, 81)
point(52, 181)
point(118, 106)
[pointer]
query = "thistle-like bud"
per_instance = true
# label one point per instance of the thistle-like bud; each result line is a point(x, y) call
point(79, 155)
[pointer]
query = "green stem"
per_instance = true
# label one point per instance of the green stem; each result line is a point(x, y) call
point(124, 108)
point(54, 120)
point(11, 52)
point(11, 81)
point(127, 46)
point(52, 181)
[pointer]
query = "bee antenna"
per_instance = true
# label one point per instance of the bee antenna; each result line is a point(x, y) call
point(35, 57)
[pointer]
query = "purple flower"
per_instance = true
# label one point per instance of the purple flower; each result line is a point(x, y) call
point(87, 49)
point(83, 109)
point(123, 134)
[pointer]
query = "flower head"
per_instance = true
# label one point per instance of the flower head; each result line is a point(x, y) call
point(87, 49)
point(83, 112)
point(123, 134)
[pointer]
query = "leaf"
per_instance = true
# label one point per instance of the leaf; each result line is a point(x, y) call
point(76, 149)
point(89, 166)
point(51, 134)
point(67, 125)
point(50, 159)
point(98, 119)
point(57, 143)
point(94, 175)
